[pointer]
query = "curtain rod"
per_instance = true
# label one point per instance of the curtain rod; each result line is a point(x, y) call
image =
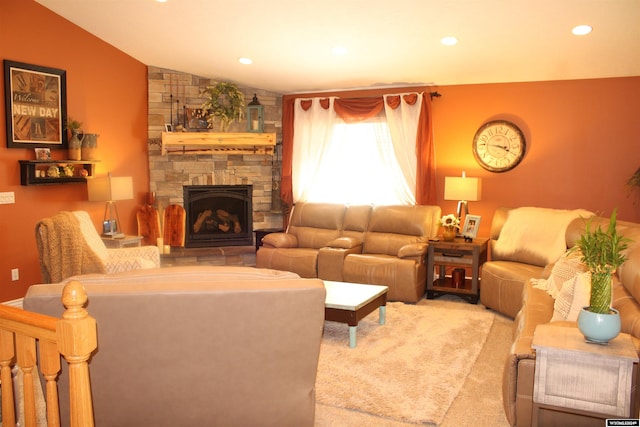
point(434, 95)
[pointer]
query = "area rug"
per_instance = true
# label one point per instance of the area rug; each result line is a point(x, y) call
point(410, 369)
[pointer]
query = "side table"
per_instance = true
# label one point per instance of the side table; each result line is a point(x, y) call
point(455, 253)
point(260, 233)
point(122, 242)
point(577, 383)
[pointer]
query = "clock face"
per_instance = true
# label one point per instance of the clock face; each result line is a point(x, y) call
point(499, 146)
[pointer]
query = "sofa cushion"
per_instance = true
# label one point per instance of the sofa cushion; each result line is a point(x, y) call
point(535, 235)
point(502, 282)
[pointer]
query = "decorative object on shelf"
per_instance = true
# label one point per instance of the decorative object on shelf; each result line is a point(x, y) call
point(110, 189)
point(75, 145)
point(499, 146)
point(67, 170)
point(89, 146)
point(463, 189)
point(471, 226)
point(43, 154)
point(255, 116)
point(450, 224)
point(53, 171)
point(602, 254)
point(225, 103)
point(36, 105)
point(75, 142)
point(195, 119)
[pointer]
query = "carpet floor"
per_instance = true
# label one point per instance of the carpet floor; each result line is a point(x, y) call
point(435, 363)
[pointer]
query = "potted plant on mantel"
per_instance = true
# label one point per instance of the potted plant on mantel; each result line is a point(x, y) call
point(225, 103)
point(602, 254)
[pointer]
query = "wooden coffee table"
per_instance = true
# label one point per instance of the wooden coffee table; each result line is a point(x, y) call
point(350, 302)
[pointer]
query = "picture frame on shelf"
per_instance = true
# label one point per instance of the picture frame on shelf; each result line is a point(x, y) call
point(195, 119)
point(43, 154)
point(168, 127)
point(35, 106)
point(471, 226)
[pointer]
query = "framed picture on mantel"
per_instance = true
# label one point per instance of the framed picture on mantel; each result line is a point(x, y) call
point(35, 105)
point(195, 119)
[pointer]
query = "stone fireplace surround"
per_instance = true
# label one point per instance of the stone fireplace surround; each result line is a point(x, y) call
point(169, 173)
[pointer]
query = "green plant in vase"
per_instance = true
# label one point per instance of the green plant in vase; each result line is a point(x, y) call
point(602, 253)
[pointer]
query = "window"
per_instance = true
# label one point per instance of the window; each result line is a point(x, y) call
point(360, 167)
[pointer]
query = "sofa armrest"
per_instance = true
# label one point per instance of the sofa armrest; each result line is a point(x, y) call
point(280, 240)
point(413, 250)
point(345, 243)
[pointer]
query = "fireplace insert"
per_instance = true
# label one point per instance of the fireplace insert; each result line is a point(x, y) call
point(218, 215)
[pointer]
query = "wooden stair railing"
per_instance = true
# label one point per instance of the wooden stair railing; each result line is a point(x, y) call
point(73, 336)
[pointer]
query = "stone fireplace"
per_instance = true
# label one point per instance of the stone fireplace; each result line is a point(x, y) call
point(218, 215)
point(170, 93)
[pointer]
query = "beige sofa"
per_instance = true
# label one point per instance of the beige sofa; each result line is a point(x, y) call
point(507, 287)
point(380, 245)
point(199, 346)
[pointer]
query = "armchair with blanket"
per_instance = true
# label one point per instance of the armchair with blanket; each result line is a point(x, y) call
point(69, 245)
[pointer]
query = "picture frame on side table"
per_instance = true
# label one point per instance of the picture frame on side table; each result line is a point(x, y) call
point(35, 106)
point(471, 226)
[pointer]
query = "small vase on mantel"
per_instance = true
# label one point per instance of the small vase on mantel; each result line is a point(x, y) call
point(449, 234)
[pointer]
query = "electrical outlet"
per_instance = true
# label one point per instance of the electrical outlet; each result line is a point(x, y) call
point(15, 274)
point(7, 198)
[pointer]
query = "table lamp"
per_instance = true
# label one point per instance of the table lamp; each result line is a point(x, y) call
point(109, 189)
point(463, 189)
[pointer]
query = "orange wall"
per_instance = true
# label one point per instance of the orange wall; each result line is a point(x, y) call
point(107, 91)
point(582, 137)
point(582, 144)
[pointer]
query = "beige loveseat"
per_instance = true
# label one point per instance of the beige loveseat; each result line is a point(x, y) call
point(199, 346)
point(380, 245)
point(507, 287)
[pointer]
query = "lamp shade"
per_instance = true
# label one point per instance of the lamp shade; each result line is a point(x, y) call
point(462, 188)
point(109, 188)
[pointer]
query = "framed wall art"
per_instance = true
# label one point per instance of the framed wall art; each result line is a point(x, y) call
point(471, 226)
point(36, 106)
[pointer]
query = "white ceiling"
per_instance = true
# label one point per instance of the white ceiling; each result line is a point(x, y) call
point(389, 42)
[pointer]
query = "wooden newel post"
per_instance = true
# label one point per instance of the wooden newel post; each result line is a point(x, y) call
point(77, 338)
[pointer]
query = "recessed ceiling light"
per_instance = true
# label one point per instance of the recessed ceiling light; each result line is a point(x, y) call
point(339, 50)
point(581, 30)
point(161, 1)
point(245, 61)
point(449, 41)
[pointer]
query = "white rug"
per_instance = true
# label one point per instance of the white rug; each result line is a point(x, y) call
point(410, 369)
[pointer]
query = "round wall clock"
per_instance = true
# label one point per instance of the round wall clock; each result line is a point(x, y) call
point(499, 146)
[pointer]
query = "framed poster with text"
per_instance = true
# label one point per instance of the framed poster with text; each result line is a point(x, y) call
point(35, 105)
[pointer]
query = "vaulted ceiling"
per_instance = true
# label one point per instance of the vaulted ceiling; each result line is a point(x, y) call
point(385, 43)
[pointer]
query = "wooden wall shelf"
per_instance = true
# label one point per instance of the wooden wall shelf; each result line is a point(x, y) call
point(218, 143)
point(34, 172)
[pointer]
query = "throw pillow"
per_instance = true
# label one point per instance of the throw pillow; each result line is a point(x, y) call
point(535, 235)
point(569, 264)
point(573, 296)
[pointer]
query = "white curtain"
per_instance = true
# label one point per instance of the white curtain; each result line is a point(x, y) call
point(312, 134)
point(403, 126)
point(368, 162)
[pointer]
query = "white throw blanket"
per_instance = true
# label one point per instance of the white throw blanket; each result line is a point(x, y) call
point(535, 235)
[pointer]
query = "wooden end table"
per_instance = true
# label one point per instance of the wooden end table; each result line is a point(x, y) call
point(122, 242)
point(455, 253)
point(577, 383)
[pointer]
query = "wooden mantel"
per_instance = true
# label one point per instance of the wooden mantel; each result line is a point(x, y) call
point(218, 143)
